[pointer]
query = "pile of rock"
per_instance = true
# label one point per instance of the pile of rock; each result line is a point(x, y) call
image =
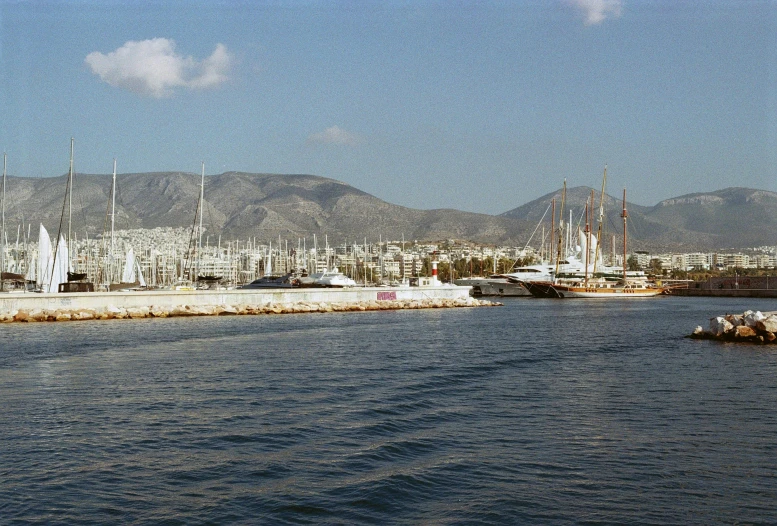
point(751, 326)
point(111, 312)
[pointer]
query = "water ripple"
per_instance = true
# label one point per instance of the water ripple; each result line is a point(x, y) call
point(538, 412)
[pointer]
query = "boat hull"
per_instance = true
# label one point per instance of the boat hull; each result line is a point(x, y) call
point(582, 292)
point(493, 287)
point(546, 289)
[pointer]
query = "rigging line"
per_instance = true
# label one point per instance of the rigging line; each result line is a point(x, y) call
point(121, 205)
point(103, 249)
point(59, 233)
point(189, 260)
point(82, 209)
point(536, 227)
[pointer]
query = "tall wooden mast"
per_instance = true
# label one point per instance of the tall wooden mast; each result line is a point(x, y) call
point(624, 215)
point(601, 220)
point(552, 227)
point(588, 212)
point(560, 228)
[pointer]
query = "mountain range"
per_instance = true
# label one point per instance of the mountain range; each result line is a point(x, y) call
point(242, 205)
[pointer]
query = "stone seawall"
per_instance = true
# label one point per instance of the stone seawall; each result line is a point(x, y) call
point(118, 305)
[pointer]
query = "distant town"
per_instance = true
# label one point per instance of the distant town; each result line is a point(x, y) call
point(163, 256)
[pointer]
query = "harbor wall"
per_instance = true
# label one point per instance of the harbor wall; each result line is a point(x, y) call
point(169, 299)
point(736, 287)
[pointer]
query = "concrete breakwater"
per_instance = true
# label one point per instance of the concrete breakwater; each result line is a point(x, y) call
point(750, 326)
point(111, 305)
point(730, 287)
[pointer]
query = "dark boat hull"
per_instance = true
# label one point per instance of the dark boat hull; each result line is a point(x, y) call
point(542, 289)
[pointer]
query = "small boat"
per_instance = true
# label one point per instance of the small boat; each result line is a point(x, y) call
point(273, 282)
point(113, 287)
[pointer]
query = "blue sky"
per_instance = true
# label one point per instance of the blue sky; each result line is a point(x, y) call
point(474, 105)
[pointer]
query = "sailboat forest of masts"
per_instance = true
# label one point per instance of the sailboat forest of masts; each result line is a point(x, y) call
point(55, 265)
point(590, 285)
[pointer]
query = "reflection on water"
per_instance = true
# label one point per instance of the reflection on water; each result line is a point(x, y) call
point(539, 411)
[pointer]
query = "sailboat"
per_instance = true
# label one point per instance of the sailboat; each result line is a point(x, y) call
point(193, 263)
point(74, 280)
point(10, 277)
point(132, 277)
point(599, 287)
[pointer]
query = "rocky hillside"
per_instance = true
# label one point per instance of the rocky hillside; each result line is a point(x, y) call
point(728, 218)
point(265, 206)
point(242, 205)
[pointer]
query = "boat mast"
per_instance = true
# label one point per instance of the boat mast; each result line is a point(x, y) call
point(2, 231)
point(199, 237)
point(113, 219)
point(560, 228)
point(601, 220)
point(587, 233)
point(552, 227)
point(70, 206)
point(624, 215)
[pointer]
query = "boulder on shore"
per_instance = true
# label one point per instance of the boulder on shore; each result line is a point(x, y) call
point(750, 326)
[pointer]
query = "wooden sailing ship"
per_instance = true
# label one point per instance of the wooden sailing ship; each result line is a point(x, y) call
point(589, 286)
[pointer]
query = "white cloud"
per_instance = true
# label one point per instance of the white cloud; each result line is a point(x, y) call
point(335, 135)
point(597, 11)
point(152, 67)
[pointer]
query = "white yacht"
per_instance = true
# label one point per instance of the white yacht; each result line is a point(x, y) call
point(332, 278)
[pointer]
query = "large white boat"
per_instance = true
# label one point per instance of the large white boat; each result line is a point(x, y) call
point(331, 278)
point(494, 285)
point(511, 283)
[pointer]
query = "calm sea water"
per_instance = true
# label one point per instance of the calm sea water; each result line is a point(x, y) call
point(540, 411)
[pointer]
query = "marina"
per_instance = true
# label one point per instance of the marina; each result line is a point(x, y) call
point(256, 287)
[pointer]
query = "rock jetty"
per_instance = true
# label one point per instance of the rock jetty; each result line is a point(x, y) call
point(116, 313)
point(750, 326)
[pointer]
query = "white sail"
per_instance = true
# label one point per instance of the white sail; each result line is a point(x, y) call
point(60, 266)
point(583, 246)
point(129, 267)
point(268, 263)
point(141, 280)
point(43, 267)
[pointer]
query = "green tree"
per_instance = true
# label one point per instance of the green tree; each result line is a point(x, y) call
point(656, 267)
